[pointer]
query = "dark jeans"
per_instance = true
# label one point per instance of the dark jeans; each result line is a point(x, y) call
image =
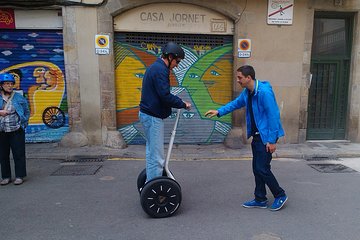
point(262, 171)
point(16, 142)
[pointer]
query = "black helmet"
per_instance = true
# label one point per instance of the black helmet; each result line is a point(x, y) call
point(173, 48)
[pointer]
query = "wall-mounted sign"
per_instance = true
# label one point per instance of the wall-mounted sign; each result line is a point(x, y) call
point(173, 18)
point(24, 19)
point(280, 12)
point(7, 18)
point(45, 19)
point(102, 46)
point(244, 48)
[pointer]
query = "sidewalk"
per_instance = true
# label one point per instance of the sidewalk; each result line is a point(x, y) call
point(308, 151)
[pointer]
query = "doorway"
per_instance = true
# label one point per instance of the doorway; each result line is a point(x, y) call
point(330, 67)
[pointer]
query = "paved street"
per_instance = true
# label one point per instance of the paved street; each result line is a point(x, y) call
point(105, 206)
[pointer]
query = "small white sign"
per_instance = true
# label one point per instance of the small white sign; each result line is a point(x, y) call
point(102, 51)
point(280, 12)
point(244, 48)
point(244, 54)
point(102, 46)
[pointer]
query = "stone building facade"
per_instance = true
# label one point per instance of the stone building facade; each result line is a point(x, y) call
point(307, 49)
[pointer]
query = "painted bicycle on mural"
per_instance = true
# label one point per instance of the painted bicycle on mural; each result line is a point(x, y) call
point(44, 88)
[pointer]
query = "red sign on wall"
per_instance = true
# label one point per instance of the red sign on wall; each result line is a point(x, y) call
point(7, 18)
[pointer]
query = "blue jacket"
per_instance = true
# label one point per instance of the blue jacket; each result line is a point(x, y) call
point(21, 107)
point(265, 109)
point(156, 99)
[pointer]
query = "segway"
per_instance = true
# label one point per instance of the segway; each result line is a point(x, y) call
point(161, 196)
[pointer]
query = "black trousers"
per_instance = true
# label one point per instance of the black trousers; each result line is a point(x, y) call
point(16, 142)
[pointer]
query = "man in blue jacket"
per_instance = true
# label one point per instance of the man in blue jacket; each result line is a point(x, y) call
point(264, 126)
point(155, 105)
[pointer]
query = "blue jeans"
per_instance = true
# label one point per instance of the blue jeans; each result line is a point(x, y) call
point(262, 171)
point(154, 135)
point(16, 142)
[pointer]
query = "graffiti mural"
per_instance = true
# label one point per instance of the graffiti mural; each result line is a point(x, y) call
point(35, 59)
point(203, 78)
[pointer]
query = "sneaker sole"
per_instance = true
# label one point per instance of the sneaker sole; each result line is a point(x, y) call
point(254, 206)
point(277, 209)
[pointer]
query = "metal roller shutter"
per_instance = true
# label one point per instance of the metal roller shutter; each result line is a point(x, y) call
point(203, 78)
point(36, 59)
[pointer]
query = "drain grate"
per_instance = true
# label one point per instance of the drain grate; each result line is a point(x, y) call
point(85, 159)
point(332, 168)
point(77, 170)
point(320, 158)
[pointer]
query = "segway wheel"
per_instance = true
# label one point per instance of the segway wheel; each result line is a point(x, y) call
point(141, 180)
point(161, 197)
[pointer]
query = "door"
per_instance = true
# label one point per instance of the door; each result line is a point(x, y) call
point(330, 66)
point(203, 78)
point(36, 59)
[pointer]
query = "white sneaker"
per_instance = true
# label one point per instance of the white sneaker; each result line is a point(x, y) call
point(5, 181)
point(18, 181)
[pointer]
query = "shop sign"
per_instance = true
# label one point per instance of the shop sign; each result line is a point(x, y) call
point(7, 18)
point(173, 18)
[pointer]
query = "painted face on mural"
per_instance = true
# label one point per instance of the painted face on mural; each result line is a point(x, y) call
point(216, 79)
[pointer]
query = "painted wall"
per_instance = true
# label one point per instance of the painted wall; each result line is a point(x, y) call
point(203, 78)
point(36, 59)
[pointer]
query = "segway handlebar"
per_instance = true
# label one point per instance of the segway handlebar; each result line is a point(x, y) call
point(171, 142)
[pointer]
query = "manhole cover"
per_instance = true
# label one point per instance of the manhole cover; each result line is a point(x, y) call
point(332, 168)
point(76, 170)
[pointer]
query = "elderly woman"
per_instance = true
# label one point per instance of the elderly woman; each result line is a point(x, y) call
point(14, 117)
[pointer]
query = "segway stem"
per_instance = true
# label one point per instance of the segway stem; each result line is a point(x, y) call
point(171, 143)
